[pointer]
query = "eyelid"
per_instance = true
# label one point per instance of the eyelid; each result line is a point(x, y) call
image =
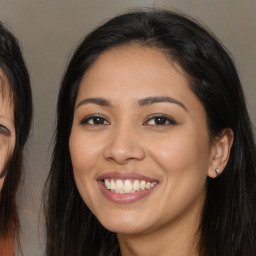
point(171, 120)
point(84, 120)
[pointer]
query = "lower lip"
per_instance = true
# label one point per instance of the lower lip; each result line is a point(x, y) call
point(124, 198)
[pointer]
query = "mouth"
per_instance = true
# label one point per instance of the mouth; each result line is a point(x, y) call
point(126, 187)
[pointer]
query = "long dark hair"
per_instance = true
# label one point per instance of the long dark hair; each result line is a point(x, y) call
point(13, 66)
point(228, 223)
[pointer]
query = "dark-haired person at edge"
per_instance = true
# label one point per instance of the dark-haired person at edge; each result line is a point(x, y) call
point(15, 121)
point(154, 149)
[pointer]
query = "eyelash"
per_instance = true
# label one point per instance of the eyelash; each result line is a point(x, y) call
point(4, 130)
point(164, 120)
point(100, 120)
point(93, 118)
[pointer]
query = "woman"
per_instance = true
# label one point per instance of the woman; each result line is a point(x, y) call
point(154, 151)
point(15, 121)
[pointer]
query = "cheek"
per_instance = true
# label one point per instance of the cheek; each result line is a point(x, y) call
point(183, 157)
point(84, 152)
point(3, 156)
point(84, 155)
point(183, 162)
point(6, 148)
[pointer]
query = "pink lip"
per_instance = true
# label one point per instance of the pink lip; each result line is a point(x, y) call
point(125, 197)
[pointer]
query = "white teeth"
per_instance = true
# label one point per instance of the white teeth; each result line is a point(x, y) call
point(107, 184)
point(127, 186)
point(119, 185)
point(143, 185)
point(136, 185)
point(112, 185)
point(153, 184)
point(147, 185)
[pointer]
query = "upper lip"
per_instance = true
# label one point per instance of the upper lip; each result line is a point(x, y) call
point(125, 176)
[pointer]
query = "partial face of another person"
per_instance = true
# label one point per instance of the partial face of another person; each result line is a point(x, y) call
point(7, 130)
point(139, 143)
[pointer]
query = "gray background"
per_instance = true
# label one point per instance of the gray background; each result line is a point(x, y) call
point(50, 29)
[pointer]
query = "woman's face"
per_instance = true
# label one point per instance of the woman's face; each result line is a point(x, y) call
point(139, 143)
point(7, 130)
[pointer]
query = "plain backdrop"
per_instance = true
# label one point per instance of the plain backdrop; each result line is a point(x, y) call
point(49, 30)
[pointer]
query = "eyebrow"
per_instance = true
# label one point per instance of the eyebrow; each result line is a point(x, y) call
point(160, 99)
point(98, 101)
point(141, 102)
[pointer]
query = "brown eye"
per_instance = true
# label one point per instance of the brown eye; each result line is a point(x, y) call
point(95, 120)
point(160, 120)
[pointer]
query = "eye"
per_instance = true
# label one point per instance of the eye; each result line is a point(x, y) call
point(4, 130)
point(94, 120)
point(159, 120)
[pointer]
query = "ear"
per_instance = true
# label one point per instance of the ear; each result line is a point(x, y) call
point(220, 151)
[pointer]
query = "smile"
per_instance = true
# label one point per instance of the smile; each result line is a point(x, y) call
point(127, 186)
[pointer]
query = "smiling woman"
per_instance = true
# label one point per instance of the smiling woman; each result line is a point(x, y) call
point(154, 150)
point(141, 148)
point(15, 121)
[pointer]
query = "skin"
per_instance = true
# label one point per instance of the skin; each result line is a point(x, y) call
point(7, 130)
point(178, 153)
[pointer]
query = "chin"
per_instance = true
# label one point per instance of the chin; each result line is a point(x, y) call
point(125, 224)
point(125, 228)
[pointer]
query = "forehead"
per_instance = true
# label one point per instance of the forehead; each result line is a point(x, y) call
point(126, 74)
point(134, 69)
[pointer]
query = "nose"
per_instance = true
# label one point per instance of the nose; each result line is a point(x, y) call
point(124, 145)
